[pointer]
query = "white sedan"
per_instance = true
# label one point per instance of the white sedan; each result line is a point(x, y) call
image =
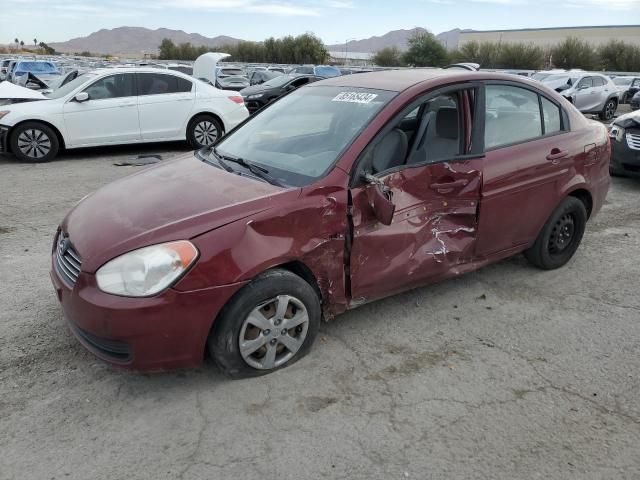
point(117, 106)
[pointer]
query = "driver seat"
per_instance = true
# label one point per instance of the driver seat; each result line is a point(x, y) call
point(391, 151)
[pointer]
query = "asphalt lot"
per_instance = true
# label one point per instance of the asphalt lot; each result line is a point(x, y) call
point(505, 373)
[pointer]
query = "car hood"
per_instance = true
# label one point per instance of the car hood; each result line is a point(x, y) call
point(628, 120)
point(253, 89)
point(176, 200)
point(10, 93)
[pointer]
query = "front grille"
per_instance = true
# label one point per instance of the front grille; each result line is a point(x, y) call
point(68, 261)
point(633, 140)
point(112, 349)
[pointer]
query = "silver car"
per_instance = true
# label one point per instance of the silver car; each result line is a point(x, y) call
point(589, 92)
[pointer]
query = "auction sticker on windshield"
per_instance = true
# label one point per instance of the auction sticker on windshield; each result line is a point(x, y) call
point(354, 97)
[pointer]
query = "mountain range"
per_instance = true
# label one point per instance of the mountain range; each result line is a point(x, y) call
point(138, 41)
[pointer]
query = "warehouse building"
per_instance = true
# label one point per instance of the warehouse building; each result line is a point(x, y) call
point(550, 36)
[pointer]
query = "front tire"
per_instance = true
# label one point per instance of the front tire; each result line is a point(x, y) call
point(560, 237)
point(34, 142)
point(203, 131)
point(269, 324)
point(609, 109)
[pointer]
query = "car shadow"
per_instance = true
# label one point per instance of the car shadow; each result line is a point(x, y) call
point(108, 152)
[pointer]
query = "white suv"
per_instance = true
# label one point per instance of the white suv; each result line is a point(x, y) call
point(589, 92)
point(118, 106)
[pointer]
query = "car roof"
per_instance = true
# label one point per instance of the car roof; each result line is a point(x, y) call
point(400, 80)
point(163, 71)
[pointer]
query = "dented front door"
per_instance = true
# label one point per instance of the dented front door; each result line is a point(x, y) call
point(433, 232)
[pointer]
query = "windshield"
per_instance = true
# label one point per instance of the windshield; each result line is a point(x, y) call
point(71, 86)
point(279, 80)
point(539, 76)
point(327, 72)
point(622, 81)
point(231, 71)
point(299, 138)
point(38, 67)
point(561, 79)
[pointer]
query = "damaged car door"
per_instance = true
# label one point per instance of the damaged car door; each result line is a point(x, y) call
point(425, 165)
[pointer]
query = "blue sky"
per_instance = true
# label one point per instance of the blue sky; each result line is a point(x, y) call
point(332, 20)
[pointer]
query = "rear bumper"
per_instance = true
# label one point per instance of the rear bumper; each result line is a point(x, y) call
point(164, 332)
point(235, 117)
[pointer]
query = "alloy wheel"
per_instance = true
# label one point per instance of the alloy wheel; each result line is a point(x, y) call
point(273, 332)
point(34, 143)
point(610, 110)
point(205, 133)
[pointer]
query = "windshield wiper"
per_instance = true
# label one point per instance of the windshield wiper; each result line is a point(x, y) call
point(258, 171)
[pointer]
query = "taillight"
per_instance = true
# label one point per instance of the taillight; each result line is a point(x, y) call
point(236, 99)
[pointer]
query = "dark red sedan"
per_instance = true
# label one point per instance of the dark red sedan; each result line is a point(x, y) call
point(340, 193)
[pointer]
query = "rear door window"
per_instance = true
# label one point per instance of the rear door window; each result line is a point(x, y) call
point(551, 116)
point(598, 82)
point(159, 84)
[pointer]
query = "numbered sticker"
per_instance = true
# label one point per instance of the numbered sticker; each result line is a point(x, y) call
point(354, 97)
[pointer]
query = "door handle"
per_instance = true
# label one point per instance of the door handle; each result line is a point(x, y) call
point(557, 154)
point(448, 186)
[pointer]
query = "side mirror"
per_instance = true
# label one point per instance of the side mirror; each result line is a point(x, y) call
point(81, 97)
point(380, 199)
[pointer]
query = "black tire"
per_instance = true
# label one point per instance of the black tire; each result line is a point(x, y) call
point(198, 133)
point(560, 237)
point(34, 142)
point(224, 339)
point(609, 109)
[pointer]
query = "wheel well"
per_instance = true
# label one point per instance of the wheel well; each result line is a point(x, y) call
point(199, 114)
point(300, 269)
point(585, 197)
point(52, 127)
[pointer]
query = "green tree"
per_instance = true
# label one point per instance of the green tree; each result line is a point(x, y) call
point(35, 42)
point(388, 57)
point(425, 50)
point(520, 55)
point(574, 53)
point(17, 42)
point(619, 56)
point(21, 43)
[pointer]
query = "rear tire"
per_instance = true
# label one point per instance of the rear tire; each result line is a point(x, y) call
point(204, 131)
point(278, 312)
point(34, 142)
point(560, 237)
point(609, 109)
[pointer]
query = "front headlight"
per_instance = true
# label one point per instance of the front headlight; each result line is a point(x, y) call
point(616, 133)
point(146, 271)
point(254, 96)
point(4, 113)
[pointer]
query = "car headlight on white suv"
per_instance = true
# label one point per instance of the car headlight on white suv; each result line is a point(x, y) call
point(146, 271)
point(616, 133)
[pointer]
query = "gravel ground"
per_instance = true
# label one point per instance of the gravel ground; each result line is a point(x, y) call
point(505, 373)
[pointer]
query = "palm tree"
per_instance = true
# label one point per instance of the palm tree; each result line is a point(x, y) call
point(35, 42)
point(16, 42)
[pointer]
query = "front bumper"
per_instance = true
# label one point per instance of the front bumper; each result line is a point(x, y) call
point(163, 332)
point(625, 160)
point(4, 139)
